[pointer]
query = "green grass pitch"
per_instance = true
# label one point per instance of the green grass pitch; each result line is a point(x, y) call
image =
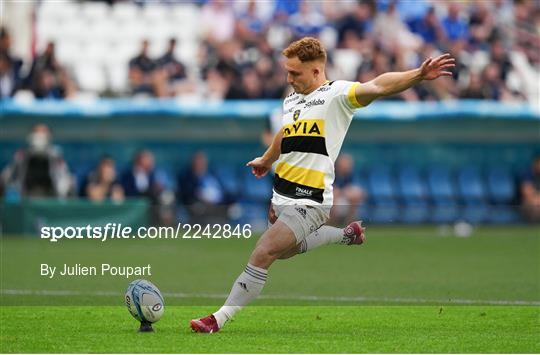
point(409, 289)
point(270, 329)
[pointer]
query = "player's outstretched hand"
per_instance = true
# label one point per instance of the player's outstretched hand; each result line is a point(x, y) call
point(259, 167)
point(440, 66)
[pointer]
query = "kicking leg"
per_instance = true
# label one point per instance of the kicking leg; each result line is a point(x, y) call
point(352, 234)
point(273, 243)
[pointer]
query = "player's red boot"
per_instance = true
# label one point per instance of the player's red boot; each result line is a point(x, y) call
point(204, 325)
point(354, 233)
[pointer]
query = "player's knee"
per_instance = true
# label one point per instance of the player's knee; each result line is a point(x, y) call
point(263, 257)
point(266, 254)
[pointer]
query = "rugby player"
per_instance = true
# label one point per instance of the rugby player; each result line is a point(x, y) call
point(316, 117)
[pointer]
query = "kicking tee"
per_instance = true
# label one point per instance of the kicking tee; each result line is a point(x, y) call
point(314, 127)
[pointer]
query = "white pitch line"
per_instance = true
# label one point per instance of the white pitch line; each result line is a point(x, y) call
point(278, 297)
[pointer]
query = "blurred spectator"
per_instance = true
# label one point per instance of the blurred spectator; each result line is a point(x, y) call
point(392, 33)
point(530, 192)
point(39, 170)
point(278, 33)
point(144, 77)
point(201, 191)
point(250, 86)
point(481, 26)
point(354, 27)
point(474, 89)
point(488, 85)
point(197, 184)
point(173, 69)
point(10, 66)
point(492, 84)
point(271, 74)
point(410, 10)
point(428, 27)
point(286, 7)
point(47, 78)
point(307, 21)
point(348, 194)
point(454, 26)
point(216, 85)
point(9, 81)
point(525, 30)
point(217, 21)
point(250, 26)
point(499, 55)
point(103, 183)
point(224, 59)
point(5, 46)
point(458, 50)
point(140, 179)
point(503, 18)
point(237, 72)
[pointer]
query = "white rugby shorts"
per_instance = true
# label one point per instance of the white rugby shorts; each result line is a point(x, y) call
point(302, 219)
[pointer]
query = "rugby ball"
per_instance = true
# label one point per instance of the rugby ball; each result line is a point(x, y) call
point(144, 301)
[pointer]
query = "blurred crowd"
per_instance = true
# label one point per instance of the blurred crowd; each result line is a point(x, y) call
point(496, 44)
point(45, 78)
point(39, 170)
point(201, 192)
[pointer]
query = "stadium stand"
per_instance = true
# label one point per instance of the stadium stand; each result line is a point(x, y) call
point(96, 40)
point(430, 170)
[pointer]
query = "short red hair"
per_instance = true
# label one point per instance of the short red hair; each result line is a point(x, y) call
point(306, 49)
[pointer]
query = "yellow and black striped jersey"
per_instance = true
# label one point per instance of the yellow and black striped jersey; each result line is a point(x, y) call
point(314, 127)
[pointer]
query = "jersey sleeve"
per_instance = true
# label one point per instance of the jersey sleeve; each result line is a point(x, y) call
point(346, 94)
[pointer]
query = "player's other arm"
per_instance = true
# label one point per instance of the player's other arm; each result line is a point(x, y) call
point(261, 166)
point(395, 82)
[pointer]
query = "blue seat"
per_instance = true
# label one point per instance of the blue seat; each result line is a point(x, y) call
point(228, 177)
point(503, 214)
point(411, 185)
point(472, 193)
point(385, 212)
point(360, 179)
point(501, 186)
point(475, 213)
point(255, 214)
point(471, 186)
point(381, 185)
point(363, 212)
point(414, 212)
point(502, 191)
point(441, 185)
point(165, 178)
point(81, 170)
point(182, 214)
point(256, 190)
point(446, 212)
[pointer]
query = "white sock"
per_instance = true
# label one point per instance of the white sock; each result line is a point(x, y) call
point(323, 236)
point(246, 288)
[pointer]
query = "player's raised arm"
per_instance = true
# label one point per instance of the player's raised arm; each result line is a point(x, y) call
point(395, 82)
point(261, 166)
